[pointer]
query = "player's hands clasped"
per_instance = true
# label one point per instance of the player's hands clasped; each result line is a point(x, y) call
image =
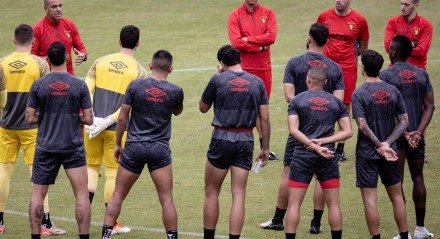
point(413, 138)
point(388, 153)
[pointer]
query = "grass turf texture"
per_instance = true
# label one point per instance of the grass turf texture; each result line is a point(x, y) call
point(193, 30)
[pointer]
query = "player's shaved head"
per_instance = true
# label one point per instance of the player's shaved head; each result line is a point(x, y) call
point(400, 48)
point(129, 36)
point(24, 35)
point(228, 55)
point(372, 62)
point(317, 76)
point(162, 61)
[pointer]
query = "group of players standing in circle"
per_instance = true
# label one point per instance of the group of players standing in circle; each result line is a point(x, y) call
point(130, 124)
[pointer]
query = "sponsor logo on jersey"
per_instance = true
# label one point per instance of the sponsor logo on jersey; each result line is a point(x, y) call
point(17, 65)
point(351, 25)
point(319, 104)
point(118, 65)
point(381, 97)
point(59, 88)
point(155, 95)
point(239, 85)
point(416, 31)
point(317, 63)
point(263, 19)
point(408, 77)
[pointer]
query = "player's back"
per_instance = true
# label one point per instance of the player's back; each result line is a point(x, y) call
point(298, 67)
point(111, 75)
point(59, 97)
point(20, 70)
point(153, 103)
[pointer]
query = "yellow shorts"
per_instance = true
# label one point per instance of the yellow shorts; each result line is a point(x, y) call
point(102, 148)
point(12, 140)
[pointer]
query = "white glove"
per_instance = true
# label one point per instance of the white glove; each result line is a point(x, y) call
point(99, 124)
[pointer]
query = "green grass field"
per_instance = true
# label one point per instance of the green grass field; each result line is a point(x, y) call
point(193, 30)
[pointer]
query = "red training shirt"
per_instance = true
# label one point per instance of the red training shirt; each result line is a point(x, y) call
point(65, 31)
point(260, 27)
point(345, 32)
point(418, 30)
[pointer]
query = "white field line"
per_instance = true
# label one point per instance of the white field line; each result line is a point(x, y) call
point(138, 228)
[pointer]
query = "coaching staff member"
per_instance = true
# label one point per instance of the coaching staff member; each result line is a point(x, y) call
point(58, 97)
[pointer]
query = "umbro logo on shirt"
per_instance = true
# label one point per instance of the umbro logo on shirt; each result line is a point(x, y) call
point(239, 85)
point(17, 65)
point(118, 65)
point(381, 97)
point(319, 104)
point(316, 63)
point(155, 95)
point(59, 88)
point(408, 77)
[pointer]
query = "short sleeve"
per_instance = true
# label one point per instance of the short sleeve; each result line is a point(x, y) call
point(179, 100)
point(86, 102)
point(293, 107)
point(427, 86)
point(208, 95)
point(263, 95)
point(128, 97)
point(340, 85)
point(364, 34)
point(357, 109)
point(289, 74)
point(342, 109)
point(2, 79)
point(401, 108)
point(32, 100)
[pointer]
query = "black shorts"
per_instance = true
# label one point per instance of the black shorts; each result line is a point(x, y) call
point(47, 165)
point(417, 153)
point(369, 170)
point(136, 155)
point(303, 169)
point(224, 154)
point(290, 149)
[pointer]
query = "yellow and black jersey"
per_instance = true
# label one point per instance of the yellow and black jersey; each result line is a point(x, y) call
point(18, 71)
point(107, 80)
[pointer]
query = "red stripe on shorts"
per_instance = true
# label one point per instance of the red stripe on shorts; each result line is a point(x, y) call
point(330, 184)
point(295, 184)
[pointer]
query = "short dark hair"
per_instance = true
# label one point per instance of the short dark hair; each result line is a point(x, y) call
point(415, 1)
point(228, 55)
point(162, 60)
point(372, 61)
point(129, 36)
point(319, 32)
point(56, 53)
point(24, 34)
point(402, 46)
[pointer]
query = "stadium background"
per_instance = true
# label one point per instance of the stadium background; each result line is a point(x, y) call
point(193, 30)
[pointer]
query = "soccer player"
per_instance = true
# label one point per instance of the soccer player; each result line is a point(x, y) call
point(151, 102)
point(413, 26)
point(107, 81)
point(252, 29)
point(54, 27)
point(295, 82)
point(418, 95)
point(238, 98)
point(349, 36)
point(311, 118)
point(17, 72)
point(54, 103)
point(379, 111)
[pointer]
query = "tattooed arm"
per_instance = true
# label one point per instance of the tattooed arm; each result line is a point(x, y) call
point(402, 123)
point(365, 129)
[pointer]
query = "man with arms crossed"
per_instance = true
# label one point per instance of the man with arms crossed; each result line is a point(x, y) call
point(312, 118)
point(295, 82)
point(418, 95)
point(58, 98)
point(18, 71)
point(54, 27)
point(151, 101)
point(239, 98)
point(413, 26)
point(107, 81)
point(252, 29)
point(379, 111)
point(348, 38)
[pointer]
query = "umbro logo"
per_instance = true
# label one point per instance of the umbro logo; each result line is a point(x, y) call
point(238, 85)
point(381, 97)
point(17, 64)
point(118, 65)
point(59, 88)
point(319, 104)
point(408, 77)
point(316, 63)
point(155, 95)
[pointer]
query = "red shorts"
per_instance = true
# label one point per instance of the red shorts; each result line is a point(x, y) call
point(350, 84)
point(266, 76)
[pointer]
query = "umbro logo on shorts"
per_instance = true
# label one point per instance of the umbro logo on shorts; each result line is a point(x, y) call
point(319, 104)
point(155, 95)
point(316, 63)
point(17, 64)
point(59, 88)
point(238, 85)
point(381, 97)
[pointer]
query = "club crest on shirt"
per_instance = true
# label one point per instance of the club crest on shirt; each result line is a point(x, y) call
point(416, 31)
point(351, 25)
point(68, 34)
point(263, 19)
point(59, 88)
point(319, 104)
point(316, 63)
point(408, 77)
point(381, 97)
point(239, 85)
point(155, 95)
